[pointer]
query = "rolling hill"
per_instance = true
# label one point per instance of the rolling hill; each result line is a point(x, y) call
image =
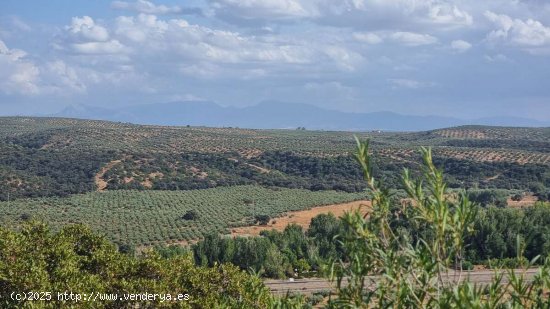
point(277, 115)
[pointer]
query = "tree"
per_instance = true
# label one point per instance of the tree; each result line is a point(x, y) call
point(262, 219)
point(416, 274)
point(191, 215)
point(75, 259)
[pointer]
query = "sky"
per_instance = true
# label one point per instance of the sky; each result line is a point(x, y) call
point(464, 58)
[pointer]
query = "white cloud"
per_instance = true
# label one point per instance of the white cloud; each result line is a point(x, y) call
point(496, 58)
point(62, 78)
point(191, 44)
point(449, 15)
point(265, 9)
point(368, 37)
point(460, 45)
point(346, 59)
point(530, 35)
point(146, 7)
point(85, 29)
point(17, 74)
point(179, 38)
point(354, 13)
point(110, 47)
point(409, 83)
point(413, 39)
point(84, 36)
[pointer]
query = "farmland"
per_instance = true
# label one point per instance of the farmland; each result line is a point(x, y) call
point(134, 183)
point(58, 157)
point(151, 217)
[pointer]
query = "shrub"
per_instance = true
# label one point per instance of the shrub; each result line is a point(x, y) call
point(517, 197)
point(191, 215)
point(75, 259)
point(415, 274)
point(262, 219)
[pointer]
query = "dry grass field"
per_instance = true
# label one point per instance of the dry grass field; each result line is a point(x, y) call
point(302, 218)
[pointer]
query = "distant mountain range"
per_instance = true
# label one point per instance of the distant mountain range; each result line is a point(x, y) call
point(278, 115)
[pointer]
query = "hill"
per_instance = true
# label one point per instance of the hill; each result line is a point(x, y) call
point(58, 157)
point(282, 115)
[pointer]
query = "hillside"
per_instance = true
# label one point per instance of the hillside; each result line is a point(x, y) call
point(58, 157)
point(280, 115)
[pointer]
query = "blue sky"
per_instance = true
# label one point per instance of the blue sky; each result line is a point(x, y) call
point(463, 58)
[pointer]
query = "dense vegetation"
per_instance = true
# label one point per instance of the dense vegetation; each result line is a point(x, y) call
point(75, 260)
point(57, 157)
point(398, 256)
point(137, 218)
point(294, 252)
point(413, 270)
point(290, 253)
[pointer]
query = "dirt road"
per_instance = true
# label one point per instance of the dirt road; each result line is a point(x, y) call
point(312, 285)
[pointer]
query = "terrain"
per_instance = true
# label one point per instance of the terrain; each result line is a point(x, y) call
point(141, 192)
point(277, 115)
point(135, 183)
point(302, 218)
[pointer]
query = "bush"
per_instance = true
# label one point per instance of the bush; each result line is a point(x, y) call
point(25, 217)
point(489, 197)
point(373, 248)
point(262, 219)
point(517, 197)
point(191, 215)
point(75, 259)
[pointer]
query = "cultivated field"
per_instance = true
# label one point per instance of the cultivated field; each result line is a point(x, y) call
point(155, 217)
point(135, 183)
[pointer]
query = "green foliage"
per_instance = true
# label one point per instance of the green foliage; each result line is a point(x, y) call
point(500, 233)
point(489, 197)
point(275, 255)
point(155, 217)
point(57, 157)
point(416, 274)
point(262, 219)
point(191, 215)
point(77, 260)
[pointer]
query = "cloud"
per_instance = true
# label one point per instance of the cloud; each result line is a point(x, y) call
point(110, 47)
point(84, 36)
point(180, 39)
point(460, 45)
point(346, 59)
point(62, 78)
point(84, 28)
point(372, 14)
point(530, 35)
point(264, 9)
point(413, 39)
point(409, 83)
point(368, 37)
point(147, 7)
point(496, 58)
point(19, 75)
point(448, 14)
point(404, 38)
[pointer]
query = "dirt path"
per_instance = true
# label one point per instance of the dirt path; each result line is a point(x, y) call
point(302, 218)
point(312, 285)
point(262, 170)
point(100, 183)
point(526, 201)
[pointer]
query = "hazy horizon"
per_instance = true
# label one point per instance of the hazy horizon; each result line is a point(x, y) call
point(463, 59)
